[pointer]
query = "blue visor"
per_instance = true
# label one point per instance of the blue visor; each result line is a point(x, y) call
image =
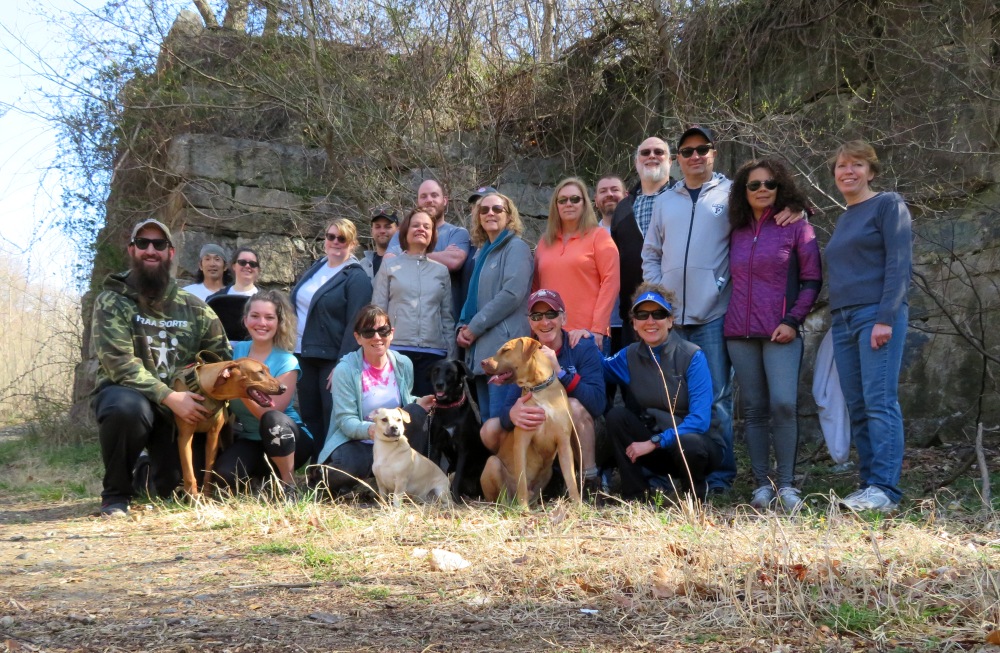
point(653, 297)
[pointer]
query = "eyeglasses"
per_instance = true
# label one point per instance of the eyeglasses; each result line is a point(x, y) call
point(572, 199)
point(658, 314)
point(340, 238)
point(658, 151)
point(688, 152)
point(159, 244)
point(548, 315)
point(496, 208)
point(244, 262)
point(755, 185)
point(383, 331)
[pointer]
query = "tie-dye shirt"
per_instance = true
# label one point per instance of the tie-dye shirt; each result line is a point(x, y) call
point(378, 388)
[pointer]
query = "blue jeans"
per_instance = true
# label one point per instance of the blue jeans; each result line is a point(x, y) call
point(489, 396)
point(768, 373)
point(713, 344)
point(870, 381)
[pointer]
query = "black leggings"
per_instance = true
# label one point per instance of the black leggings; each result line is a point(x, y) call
point(253, 459)
point(315, 399)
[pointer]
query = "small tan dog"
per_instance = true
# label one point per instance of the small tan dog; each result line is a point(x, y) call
point(398, 468)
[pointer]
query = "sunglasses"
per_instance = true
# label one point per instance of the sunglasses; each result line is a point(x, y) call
point(496, 208)
point(572, 199)
point(244, 262)
point(688, 152)
point(159, 244)
point(340, 238)
point(548, 315)
point(755, 185)
point(656, 150)
point(383, 331)
point(658, 314)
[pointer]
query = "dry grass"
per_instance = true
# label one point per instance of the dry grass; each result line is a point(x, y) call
point(39, 348)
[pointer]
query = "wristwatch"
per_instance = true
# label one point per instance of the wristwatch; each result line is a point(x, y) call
point(656, 439)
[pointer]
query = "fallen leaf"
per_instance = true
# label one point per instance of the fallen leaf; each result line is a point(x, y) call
point(993, 638)
point(663, 586)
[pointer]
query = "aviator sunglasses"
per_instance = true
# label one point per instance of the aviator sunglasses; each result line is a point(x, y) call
point(572, 199)
point(688, 152)
point(755, 185)
point(496, 208)
point(159, 244)
point(383, 331)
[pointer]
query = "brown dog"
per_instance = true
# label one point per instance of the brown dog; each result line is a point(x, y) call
point(243, 378)
point(523, 464)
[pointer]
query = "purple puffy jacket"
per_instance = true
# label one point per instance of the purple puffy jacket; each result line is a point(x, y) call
point(776, 274)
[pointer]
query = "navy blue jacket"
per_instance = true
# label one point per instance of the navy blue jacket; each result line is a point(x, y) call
point(330, 320)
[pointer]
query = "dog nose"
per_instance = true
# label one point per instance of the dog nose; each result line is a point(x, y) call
point(282, 388)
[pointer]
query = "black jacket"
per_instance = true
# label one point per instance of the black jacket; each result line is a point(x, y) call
point(330, 321)
point(625, 232)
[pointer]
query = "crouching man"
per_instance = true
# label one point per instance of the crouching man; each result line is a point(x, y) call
point(661, 374)
point(577, 365)
point(144, 329)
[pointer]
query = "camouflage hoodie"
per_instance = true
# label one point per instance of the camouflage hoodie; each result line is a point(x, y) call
point(141, 345)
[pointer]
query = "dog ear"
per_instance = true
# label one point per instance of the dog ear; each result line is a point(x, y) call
point(465, 369)
point(225, 374)
point(403, 415)
point(530, 346)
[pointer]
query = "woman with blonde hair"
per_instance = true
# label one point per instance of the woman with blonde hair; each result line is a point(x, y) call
point(494, 309)
point(271, 438)
point(325, 299)
point(579, 260)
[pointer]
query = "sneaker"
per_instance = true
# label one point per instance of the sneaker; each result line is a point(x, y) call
point(790, 499)
point(141, 476)
point(762, 498)
point(592, 491)
point(114, 508)
point(870, 498)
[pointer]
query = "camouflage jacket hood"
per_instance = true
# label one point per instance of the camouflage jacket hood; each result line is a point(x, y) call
point(141, 345)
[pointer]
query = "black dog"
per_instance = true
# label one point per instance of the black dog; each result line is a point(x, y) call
point(454, 427)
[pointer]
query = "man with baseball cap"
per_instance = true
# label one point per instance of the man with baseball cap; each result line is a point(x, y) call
point(384, 223)
point(213, 273)
point(577, 368)
point(659, 435)
point(144, 330)
point(686, 249)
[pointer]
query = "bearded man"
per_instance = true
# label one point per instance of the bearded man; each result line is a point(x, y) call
point(144, 329)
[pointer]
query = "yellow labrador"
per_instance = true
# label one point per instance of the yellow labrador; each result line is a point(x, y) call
point(398, 468)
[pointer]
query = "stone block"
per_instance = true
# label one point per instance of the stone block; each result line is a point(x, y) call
point(531, 200)
point(281, 258)
point(206, 194)
point(251, 198)
point(549, 170)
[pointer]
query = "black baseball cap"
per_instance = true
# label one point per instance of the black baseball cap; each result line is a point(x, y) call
point(479, 192)
point(696, 129)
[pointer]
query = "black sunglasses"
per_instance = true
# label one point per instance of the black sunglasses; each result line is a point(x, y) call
point(688, 152)
point(658, 151)
point(383, 331)
point(244, 262)
point(755, 185)
point(572, 199)
point(340, 238)
point(548, 315)
point(496, 208)
point(658, 314)
point(159, 244)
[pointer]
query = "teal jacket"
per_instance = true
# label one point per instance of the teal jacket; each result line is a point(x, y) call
point(348, 423)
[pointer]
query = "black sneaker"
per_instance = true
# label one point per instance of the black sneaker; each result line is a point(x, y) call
point(114, 508)
point(141, 481)
point(593, 491)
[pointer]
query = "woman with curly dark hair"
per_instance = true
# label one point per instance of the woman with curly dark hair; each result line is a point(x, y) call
point(776, 276)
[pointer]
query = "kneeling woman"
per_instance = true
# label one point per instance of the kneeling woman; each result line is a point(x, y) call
point(661, 374)
point(365, 380)
point(267, 439)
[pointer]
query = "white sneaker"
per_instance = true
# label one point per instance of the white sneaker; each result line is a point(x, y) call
point(870, 498)
point(762, 497)
point(790, 499)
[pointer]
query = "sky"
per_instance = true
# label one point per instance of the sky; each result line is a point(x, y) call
point(30, 195)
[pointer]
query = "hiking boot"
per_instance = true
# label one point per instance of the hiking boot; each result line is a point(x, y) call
point(593, 491)
point(870, 498)
point(114, 508)
point(142, 477)
point(790, 499)
point(762, 498)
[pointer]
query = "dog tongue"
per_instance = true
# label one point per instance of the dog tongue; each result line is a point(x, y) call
point(259, 397)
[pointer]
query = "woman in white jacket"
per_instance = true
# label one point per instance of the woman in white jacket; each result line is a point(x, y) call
point(416, 293)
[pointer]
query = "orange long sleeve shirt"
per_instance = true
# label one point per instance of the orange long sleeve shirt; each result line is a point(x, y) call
point(585, 271)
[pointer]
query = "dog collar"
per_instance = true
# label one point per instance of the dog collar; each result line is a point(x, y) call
point(189, 377)
point(544, 384)
point(453, 404)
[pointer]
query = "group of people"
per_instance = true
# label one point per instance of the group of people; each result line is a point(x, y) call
point(662, 293)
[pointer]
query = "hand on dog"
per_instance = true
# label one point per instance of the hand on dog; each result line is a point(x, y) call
point(426, 402)
point(527, 418)
point(637, 450)
point(187, 406)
